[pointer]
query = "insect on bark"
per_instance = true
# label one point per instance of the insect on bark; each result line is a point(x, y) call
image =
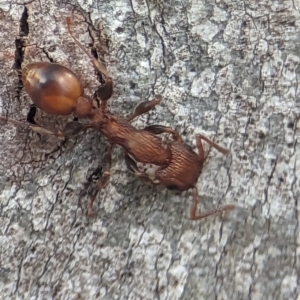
point(57, 90)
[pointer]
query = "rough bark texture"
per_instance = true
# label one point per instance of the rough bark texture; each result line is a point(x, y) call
point(227, 69)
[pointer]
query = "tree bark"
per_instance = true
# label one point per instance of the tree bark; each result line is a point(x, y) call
point(227, 69)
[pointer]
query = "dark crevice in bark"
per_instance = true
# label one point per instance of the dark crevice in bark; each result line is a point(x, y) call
point(95, 54)
point(48, 56)
point(19, 51)
point(24, 28)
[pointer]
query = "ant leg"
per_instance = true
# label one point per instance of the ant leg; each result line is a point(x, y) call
point(130, 163)
point(33, 127)
point(97, 65)
point(200, 137)
point(70, 128)
point(36, 128)
point(144, 107)
point(30, 119)
point(103, 180)
point(158, 129)
point(132, 166)
point(193, 211)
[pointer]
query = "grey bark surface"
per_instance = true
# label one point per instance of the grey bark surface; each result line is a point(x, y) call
point(227, 69)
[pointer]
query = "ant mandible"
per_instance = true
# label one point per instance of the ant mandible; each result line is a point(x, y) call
point(57, 90)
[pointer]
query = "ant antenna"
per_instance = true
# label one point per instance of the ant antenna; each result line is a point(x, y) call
point(97, 65)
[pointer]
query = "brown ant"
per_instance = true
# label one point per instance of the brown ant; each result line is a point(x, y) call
point(57, 90)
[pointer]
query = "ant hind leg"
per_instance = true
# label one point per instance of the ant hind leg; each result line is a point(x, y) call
point(193, 210)
point(35, 128)
point(221, 149)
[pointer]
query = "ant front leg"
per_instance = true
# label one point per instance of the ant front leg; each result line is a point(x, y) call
point(158, 129)
point(132, 166)
point(71, 128)
point(144, 107)
point(35, 128)
point(103, 180)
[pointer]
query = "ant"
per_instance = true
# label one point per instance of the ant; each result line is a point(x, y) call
point(57, 90)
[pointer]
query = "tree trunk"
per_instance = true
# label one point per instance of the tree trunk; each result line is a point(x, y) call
point(228, 70)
